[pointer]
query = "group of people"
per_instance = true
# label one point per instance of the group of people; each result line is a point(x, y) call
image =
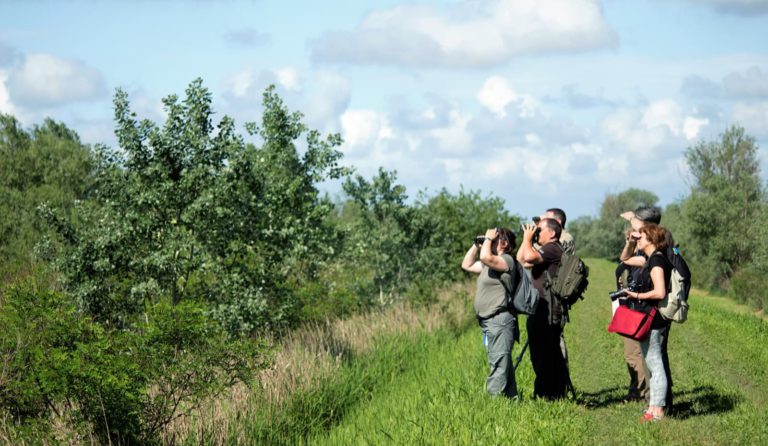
point(644, 264)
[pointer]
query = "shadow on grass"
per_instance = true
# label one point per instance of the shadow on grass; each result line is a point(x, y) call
point(602, 398)
point(701, 400)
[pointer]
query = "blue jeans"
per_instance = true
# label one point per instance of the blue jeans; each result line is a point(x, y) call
point(654, 360)
point(499, 333)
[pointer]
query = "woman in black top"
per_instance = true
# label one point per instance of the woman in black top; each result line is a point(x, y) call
point(654, 278)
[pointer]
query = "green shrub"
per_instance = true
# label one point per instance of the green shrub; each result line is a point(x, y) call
point(749, 286)
point(123, 386)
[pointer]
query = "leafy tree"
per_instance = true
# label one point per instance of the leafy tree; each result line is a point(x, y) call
point(381, 237)
point(453, 221)
point(189, 211)
point(726, 192)
point(45, 164)
point(604, 236)
point(403, 249)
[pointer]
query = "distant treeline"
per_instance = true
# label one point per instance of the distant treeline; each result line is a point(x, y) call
point(140, 280)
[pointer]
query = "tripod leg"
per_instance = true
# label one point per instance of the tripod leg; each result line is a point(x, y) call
point(520, 357)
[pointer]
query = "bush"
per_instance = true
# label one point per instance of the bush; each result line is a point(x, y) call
point(750, 286)
point(124, 386)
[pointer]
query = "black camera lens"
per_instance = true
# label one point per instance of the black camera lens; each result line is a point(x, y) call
point(617, 294)
point(536, 219)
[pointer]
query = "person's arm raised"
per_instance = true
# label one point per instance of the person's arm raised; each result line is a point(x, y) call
point(489, 259)
point(470, 262)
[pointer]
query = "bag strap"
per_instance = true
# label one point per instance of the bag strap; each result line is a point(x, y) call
point(671, 265)
point(514, 272)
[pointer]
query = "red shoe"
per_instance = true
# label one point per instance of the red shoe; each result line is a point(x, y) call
point(650, 418)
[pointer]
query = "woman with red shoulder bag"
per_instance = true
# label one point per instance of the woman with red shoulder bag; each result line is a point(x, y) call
point(652, 288)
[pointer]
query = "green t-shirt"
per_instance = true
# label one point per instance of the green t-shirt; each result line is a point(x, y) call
point(491, 295)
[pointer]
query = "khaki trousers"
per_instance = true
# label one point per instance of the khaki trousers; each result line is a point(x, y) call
point(638, 375)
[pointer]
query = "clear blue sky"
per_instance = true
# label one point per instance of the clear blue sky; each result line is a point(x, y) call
point(542, 102)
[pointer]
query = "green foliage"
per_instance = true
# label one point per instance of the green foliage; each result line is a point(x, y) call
point(409, 249)
point(726, 191)
point(382, 236)
point(189, 211)
point(603, 237)
point(125, 386)
point(452, 223)
point(44, 164)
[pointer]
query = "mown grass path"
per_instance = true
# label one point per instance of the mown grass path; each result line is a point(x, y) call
point(435, 395)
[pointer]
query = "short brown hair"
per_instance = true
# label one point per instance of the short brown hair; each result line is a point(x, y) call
point(509, 237)
point(656, 234)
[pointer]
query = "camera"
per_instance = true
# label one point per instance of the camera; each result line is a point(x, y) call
point(479, 239)
point(536, 219)
point(631, 286)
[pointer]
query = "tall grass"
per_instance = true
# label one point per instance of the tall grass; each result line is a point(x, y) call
point(319, 368)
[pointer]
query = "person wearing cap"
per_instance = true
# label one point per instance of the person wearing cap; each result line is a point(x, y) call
point(632, 261)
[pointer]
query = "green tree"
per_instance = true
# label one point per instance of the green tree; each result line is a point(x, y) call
point(726, 193)
point(46, 164)
point(603, 236)
point(453, 221)
point(189, 211)
point(381, 236)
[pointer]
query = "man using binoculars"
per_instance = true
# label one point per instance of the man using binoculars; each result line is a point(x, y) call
point(546, 326)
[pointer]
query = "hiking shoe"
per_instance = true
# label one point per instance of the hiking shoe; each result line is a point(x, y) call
point(632, 396)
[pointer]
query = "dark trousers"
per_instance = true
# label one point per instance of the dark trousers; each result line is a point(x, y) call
point(547, 359)
point(667, 370)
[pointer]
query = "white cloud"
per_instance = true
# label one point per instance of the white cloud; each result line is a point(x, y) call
point(753, 117)
point(469, 33)
point(750, 84)
point(692, 126)
point(249, 83)
point(641, 133)
point(738, 7)
point(363, 128)
point(454, 138)
point(5, 100)
point(496, 95)
point(664, 113)
point(695, 86)
point(289, 78)
point(330, 98)
point(48, 80)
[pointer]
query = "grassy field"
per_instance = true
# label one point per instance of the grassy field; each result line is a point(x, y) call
point(428, 388)
point(719, 360)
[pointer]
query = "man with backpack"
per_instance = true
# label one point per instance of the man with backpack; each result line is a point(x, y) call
point(569, 247)
point(545, 326)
